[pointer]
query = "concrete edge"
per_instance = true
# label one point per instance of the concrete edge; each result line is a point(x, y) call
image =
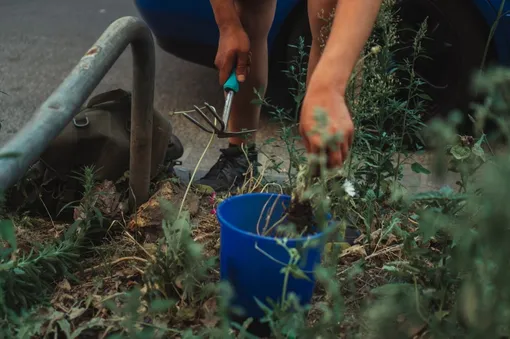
point(184, 174)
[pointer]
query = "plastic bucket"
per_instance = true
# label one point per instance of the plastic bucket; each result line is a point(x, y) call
point(251, 273)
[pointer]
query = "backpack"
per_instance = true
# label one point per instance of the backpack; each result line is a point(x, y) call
point(99, 136)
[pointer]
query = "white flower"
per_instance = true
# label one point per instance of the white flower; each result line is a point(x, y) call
point(349, 188)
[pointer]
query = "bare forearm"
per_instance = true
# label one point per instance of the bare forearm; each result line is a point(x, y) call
point(225, 13)
point(353, 23)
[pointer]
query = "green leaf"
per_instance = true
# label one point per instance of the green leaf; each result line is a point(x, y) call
point(65, 327)
point(161, 305)
point(76, 312)
point(297, 273)
point(93, 323)
point(418, 168)
point(269, 141)
point(390, 268)
point(440, 315)
point(10, 155)
point(257, 102)
point(478, 151)
point(425, 96)
point(460, 152)
point(7, 233)
point(204, 189)
point(7, 266)
point(446, 190)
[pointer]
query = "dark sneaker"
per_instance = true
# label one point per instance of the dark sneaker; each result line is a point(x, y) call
point(231, 169)
point(351, 234)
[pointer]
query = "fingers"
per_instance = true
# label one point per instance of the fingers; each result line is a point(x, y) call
point(335, 155)
point(335, 159)
point(243, 64)
point(339, 154)
point(225, 66)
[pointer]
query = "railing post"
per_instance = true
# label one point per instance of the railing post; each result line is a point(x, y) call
point(65, 102)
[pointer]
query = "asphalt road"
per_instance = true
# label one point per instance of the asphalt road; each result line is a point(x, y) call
point(42, 40)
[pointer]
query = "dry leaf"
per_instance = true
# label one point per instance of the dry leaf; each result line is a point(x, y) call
point(151, 248)
point(186, 313)
point(76, 312)
point(178, 282)
point(193, 204)
point(149, 214)
point(330, 246)
point(374, 236)
point(64, 285)
point(209, 307)
point(108, 199)
point(412, 329)
point(392, 239)
point(356, 251)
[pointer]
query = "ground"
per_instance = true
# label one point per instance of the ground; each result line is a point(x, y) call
point(119, 260)
point(39, 49)
point(33, 62)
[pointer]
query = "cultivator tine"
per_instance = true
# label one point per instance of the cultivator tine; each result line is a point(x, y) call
point(230, 87)
point(221, 130)
point(223, 126)
point(213, 128)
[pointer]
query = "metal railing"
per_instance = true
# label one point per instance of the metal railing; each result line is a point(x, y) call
point(65, 102)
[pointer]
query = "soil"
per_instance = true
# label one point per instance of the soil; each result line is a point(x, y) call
point(300, 213)
point(118, 264)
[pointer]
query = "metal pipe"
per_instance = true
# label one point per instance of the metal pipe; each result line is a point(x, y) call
point(65, 102)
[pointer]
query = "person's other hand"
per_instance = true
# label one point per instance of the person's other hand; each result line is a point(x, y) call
point(323, 96)
point(233, 49)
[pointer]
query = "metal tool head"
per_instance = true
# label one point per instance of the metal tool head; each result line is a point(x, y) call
point(220, 128)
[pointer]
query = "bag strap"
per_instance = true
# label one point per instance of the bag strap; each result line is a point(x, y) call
point(119, 96)
point(110, 96)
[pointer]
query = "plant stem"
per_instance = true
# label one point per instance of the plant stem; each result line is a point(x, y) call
point(286, 282)
point(491, 34)
point(409, 96)
point(195, 171)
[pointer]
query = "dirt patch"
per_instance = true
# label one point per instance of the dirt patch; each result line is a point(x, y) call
point(34, 232)
point(118, 262)
point(300, 213)
point(121, 262)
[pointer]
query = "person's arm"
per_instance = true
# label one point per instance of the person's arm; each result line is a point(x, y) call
point(225, 13)
point(352, 25)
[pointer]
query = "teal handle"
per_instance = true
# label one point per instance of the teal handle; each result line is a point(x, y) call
point(232, 84)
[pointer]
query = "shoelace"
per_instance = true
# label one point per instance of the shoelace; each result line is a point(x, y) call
point(224, 164)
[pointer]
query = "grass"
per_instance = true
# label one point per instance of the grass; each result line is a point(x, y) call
point(428, 264)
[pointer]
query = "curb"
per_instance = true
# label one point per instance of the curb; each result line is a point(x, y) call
point(184, 174)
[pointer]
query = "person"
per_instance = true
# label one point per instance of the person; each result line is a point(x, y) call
point(244, 27)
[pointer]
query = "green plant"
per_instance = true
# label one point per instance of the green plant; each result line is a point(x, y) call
point(288, 118)
point(26, 279)
point(178, 269)
point(430, 264)
point(384, 120)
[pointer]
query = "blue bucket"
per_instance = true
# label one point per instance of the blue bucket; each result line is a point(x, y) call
point(251, 273)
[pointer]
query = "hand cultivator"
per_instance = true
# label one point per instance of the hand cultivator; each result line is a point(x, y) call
point(230, 87)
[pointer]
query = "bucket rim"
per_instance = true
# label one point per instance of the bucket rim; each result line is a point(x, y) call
point(224, 223)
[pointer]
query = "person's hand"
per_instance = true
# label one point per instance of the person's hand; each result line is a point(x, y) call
point(233, 49)
point(325, 97)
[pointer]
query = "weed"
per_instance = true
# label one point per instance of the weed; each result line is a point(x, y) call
point(28, 278)
point(428, 264)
